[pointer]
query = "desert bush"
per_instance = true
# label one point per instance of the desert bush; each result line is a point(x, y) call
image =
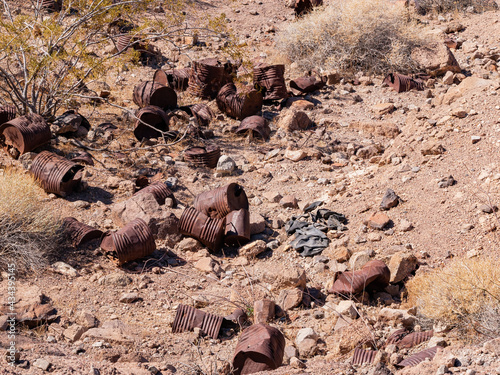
point(29, 232)
point(465, 294)
point(369, 35)
point(443, 6)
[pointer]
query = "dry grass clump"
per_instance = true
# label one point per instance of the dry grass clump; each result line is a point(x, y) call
point(443, 6)
point(465, 294)
point(28, 229)
point(351, 35)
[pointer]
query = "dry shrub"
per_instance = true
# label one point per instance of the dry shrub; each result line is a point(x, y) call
point(351, 35)
point(442, 6)
point(28, 229)
point(465, 294)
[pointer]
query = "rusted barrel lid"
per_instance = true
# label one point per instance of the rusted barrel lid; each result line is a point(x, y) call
point(221, 201)
point(56, 174)
point(207, 77)
point(401, 83)
point(7, 113)
point(419, 357)
point(414, 339)
point(272, 79)
point(239, 104)
point(201, 112)
point(305, 85)
point(24, 134)
point(83, 158)
point(257, 124)
point(135, 240)
point(375, 274)
point(206, 156)
point(238, 227)
point(177, 79)
point(362, 356)
point(188, 318)
point(79, 233)
point(155, 118)
point(153, 93)
point(160, 191)
point(260, 348)
point(209, 231)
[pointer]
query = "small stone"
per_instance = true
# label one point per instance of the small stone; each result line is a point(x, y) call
point(272, 196)
point(64, 269)
point(74, 332)
point(129, 297)
point(264, 311)
point(401, 266)
point(448, 78)
point(292, 120)
point(225, 165)
point(296, 155)
point(432, 148)
point(358, 260)
point(389, 200)
point(475, 139)
point(347, 308)
point(486, 208)
point(447, 182)
point(252, 249)
point(374, 237)
point(470, 372)
point(442, 370)
point(383, 108)
point(378, 220)
point(189, 244)
point(289, 201)
point(290, 352)
point(42, 364)
point(297, 363)
point(405, 225)
point(208, 265)
point(290, 298)
point(257, 223)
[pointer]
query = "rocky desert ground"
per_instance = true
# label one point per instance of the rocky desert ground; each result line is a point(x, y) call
point(344, 145)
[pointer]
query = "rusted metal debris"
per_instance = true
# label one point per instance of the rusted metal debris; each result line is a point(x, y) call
point(56, 174)
point(257, 125)
point(305, 85)
point(272, 80)
point(260, 348)
point(201, 112)
point(362, 356)
point(374, 275)
point(419, 357)
point(237, 227)
point(83, 157)
point(220, 202)
point(7, 113)
point(401, 83)
point(208, 76)
point(208, 230)
point(396, 337)
point(305, 6)
point(120, 29)
point(153, 116)
point(71, 122)
point(24, 134)
point(79, 233)
point(156, 94)
point(52, 5)
point(188, 318)
point(206, 156)
point(239, 104)
point(236, 319)
point(414, 339)
point(135, 240)
point(177, 79)
point(160, 191)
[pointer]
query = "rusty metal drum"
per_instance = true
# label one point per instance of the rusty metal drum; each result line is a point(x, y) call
point(208, 230)
point(221, 201)
point(153, 93)
point(272, 79)
point(24, 134)
point(257, 125)
point(79, 233)
point(238, 227)
point(150, 122)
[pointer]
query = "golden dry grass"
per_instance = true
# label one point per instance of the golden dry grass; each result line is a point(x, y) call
point(28, 229)
point(465, 294)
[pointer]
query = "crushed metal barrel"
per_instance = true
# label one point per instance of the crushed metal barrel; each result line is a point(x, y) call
point(401, 83)
point(203, 156)
point(154, 93)
point(305, 85)
point(160, 191)
point(239, 104)
point(201, 112)
point(188, 318)
point(237, 227)
point(272, 80)
point(419, 357)
point(177, 79)
point(208, 230)
point(79, 233)
point(151, 120)
point(135, 240)
point(7, 113)
point(414, 339)
point(260, 348)
point(257, 125)
point(396, 337)
point(374, 275)
point(221, 201)
point(208, 76)
point(84, 158)
point(24, 134)
point(56, 174)
point(362, 356)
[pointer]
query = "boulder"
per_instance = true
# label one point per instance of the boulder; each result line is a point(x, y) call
point(435, 58)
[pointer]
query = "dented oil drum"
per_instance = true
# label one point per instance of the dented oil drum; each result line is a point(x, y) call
point(260, 348)
point(205, 156)
point(160, 191)
point(305, 85)
point(135, 240)
point(374, 275)
point(414, 339)
point(208, 230)
point(24, 134)
point(207, 77)
point(221, 201)
point(56, 174)
point(201, 112)
point(238, 227)
point(153, 93)
point(257, 125)
point(79, 233)
point(401, 83)
point(419, 357)
point(7, 113)
point(187, 318)
point(272, 79)
point(150, 121)
point(177, 79)
point(239, 104)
